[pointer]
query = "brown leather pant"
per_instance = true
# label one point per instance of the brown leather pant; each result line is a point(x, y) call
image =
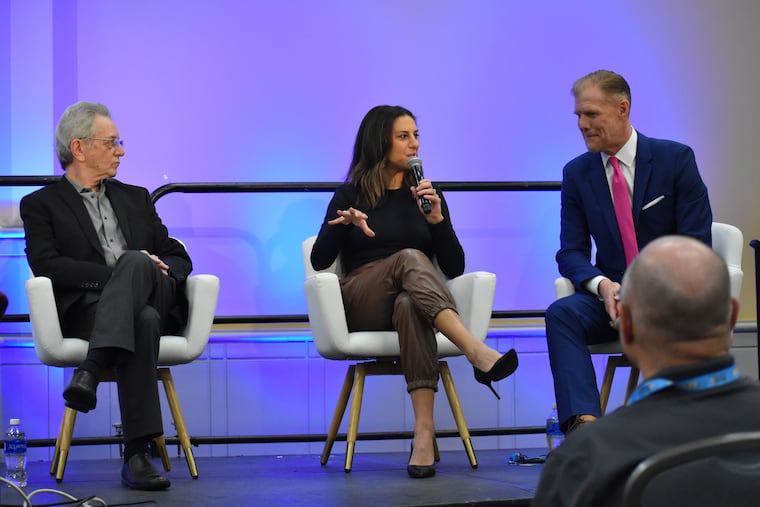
point(402, 292)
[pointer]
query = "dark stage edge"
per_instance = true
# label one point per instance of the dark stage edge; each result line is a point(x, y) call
point(377, 480)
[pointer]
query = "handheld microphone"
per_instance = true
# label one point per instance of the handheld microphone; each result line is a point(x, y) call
point(415, 165)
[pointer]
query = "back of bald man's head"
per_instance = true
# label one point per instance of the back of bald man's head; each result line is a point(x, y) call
point(678, 289)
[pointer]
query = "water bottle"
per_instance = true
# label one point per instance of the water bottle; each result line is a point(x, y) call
point(15, 454)
point(554, 435)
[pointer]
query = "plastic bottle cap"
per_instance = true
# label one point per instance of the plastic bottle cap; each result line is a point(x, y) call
point(15, 422)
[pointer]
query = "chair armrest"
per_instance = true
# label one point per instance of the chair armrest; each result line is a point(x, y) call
point(736, 275)
point(202, 293)
point(563, 287)
point(473, 294)
point(43, 315)
point(326, 315)
point(728, 242)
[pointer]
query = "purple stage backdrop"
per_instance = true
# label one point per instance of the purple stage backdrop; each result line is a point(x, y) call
point(250, 91)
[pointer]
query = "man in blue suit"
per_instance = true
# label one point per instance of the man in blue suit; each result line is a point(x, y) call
point(666, 195)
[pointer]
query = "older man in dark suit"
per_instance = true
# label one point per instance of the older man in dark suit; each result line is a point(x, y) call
point(117, 276)
point(626, 191)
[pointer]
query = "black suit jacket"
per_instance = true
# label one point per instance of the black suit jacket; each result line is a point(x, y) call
point(61, 242)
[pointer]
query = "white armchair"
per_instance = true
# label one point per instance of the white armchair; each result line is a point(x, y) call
point(376, 352)
point(727, 241)
point(53, 349)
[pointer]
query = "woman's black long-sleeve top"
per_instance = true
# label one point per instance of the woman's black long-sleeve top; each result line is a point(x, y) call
point(397, 223)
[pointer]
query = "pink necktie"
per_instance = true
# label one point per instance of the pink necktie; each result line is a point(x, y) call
point(623, 212)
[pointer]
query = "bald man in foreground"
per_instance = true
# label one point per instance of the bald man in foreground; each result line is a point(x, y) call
point(676, 316)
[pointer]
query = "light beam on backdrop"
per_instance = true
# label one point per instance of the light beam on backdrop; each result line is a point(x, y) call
point(246, 91)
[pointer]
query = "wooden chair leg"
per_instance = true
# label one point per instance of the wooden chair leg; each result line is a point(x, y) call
point(63, 444)
point(179, 419)
point(353, 387)
point(160, 443)
point(340, 410)
point(614, 362)
point(604, 392)
point(633, 381)
point(353, 420)
point(456, 410)
point(57, 451)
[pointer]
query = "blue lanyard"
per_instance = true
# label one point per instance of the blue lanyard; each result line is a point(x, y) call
point(700, 383)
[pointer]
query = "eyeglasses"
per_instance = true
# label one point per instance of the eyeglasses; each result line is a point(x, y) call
point(113, 142)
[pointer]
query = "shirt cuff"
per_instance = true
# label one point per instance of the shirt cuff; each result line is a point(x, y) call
point(593, 285)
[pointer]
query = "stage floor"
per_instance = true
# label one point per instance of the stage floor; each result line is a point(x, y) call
point(377, 479)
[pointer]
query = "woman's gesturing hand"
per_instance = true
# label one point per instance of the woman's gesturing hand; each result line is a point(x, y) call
point(355, 217)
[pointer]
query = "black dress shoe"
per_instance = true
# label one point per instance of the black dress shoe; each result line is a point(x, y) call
point(575, 423)
point(138, 473)
point(501, 369)
point(81, 393)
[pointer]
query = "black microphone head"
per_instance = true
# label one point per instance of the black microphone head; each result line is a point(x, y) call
point(415, 165)
point(414, 161)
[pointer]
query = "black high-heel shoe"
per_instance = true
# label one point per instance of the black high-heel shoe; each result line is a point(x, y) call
point(501, 369)
point(420, 471)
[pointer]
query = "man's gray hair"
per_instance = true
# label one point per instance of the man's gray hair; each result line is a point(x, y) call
point(76, 123)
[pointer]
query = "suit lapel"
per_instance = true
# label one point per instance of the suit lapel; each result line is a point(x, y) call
point(118, 204)
point(643, 173)
point(600, 189)
point(72, 199)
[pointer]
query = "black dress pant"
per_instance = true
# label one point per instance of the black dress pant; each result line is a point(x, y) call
point(130, 314)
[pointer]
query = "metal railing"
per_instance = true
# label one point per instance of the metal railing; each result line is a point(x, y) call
point(296, 187)
point(243, 187)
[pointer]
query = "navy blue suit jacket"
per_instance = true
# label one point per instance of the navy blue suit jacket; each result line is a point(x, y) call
point(669, 197)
